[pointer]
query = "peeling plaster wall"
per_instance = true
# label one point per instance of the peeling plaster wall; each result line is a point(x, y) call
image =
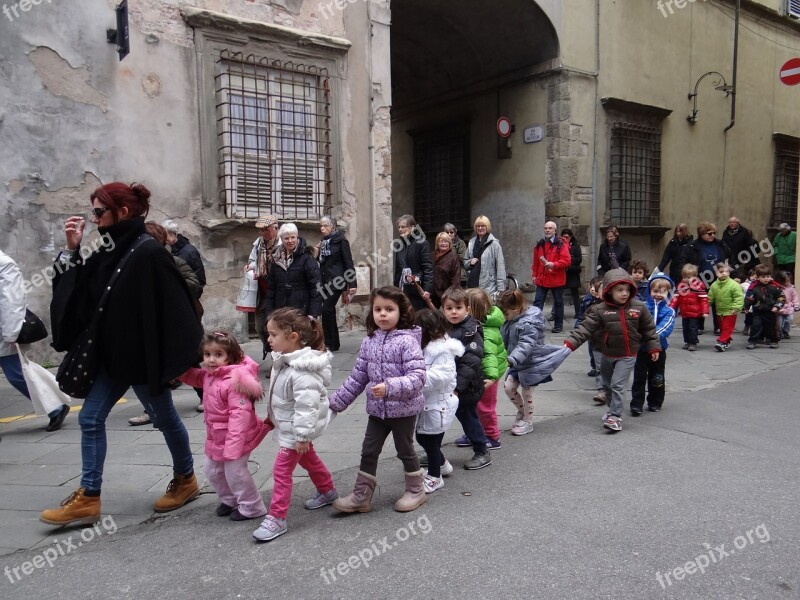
point(72, 117)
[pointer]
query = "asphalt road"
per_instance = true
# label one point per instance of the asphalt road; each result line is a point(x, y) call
point(698, 501)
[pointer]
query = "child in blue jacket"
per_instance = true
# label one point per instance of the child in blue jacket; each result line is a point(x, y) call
point(647, 373)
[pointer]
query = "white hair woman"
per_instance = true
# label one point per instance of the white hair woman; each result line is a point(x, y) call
point(294, 277)
point(485, 264)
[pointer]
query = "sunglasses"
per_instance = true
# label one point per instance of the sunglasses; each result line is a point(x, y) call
point(99, 212)
point(710, 233)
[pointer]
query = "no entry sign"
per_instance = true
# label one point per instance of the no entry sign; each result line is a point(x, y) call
point(790, 72)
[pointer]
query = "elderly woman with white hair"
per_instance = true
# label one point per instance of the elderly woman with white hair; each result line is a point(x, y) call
point(338, 274)
point(294, 277)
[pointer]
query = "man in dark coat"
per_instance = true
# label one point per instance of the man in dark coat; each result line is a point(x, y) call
point(741, 245)
point(181, 247)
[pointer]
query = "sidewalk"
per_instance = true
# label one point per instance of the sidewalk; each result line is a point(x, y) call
point(39, 469)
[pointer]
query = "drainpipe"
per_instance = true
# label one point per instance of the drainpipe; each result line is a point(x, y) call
point(593, 236)
point(735, 64)
point(373, 217)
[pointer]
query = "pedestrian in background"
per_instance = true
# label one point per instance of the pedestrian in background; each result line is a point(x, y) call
point(148, 335)
point(181, 247)
point(413, 265)
point(740, 242)
point(260, 261)
point(573, 282)
point(446, 267)
point(614, 253)
point(12, 314)
point(337, 275)
point(485, 264)
point(293, 279)
point(460, 246)
point(551, 258)
point(672, 253)
point(785, 246)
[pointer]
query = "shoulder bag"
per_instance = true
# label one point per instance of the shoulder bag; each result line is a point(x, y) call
point(78, 370)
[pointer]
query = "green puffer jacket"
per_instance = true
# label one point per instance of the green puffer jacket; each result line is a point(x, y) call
point(617, 331)
point(495, 358)
point(726, 296)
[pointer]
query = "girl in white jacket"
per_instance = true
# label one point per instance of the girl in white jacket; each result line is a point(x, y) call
point(298, 407)
point(440, 353)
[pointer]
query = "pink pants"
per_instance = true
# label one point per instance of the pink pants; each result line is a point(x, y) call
point(487, 411)
point(285, 463)
point(726, 326)
point(235, 485)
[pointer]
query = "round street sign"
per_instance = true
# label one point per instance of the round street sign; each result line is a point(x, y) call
point(504, 127)
point(790, 72)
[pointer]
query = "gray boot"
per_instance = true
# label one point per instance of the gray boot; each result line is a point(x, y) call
point(414, 497)
point(361, 497)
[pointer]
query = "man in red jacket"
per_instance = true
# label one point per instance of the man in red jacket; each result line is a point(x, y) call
point(549, 271)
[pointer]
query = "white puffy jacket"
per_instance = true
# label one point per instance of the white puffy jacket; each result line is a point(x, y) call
point(298, 395)
point(440, 381)
point(12, 304)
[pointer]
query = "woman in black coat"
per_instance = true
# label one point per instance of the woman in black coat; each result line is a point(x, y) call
point(149, 334)
point(614, 252)
point(672, 253)
point(294, 276)
point(412, 252)
point(337, 275)
point(574, 270)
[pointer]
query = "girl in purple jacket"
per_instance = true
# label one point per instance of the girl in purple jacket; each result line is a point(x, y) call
point(229, 379)
point(391, 367)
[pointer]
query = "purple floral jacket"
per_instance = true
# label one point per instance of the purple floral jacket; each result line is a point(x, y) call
point(394, 358)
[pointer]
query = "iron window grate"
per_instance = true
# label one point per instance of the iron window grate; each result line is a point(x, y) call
point(273, 137)
point(787, 170)
point(635, 175)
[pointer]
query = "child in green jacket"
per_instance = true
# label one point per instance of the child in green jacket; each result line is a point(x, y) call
point(727, 298)
point(495, 362)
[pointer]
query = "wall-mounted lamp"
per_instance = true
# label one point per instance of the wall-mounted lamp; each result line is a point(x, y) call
point(119, 36)
point(719, 84)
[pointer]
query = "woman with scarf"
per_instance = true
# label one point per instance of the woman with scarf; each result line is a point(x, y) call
point(486, 267)
point(446, 267)
point(337, 275)
point(294, 276)
point(413, 265)
point(259, 261)
point(614, 252)
point(135, 348)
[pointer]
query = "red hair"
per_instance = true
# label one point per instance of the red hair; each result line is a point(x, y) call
point(117, 195)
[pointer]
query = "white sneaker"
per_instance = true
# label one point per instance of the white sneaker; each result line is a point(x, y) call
point(431, 484)
point(446, 469)
point(522, 429)
point(142, 419)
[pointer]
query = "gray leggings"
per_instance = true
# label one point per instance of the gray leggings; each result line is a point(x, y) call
point(402, 430)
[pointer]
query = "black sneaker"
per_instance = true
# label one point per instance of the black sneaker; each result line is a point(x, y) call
point(636, 412)
point(223, 510)
point(57, 421)
point(720, 347)
point(592, 373)
point(556, 330)
point(653, 408)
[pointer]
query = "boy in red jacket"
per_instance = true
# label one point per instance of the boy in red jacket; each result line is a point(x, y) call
point(691, 300)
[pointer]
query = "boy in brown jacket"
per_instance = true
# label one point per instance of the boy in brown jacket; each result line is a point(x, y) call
point(617, 327)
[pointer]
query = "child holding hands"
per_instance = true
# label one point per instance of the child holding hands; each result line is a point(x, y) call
point(298, 406)
point(391, 367)
point(229, 379)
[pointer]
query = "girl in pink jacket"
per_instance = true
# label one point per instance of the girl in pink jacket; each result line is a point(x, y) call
point(229, 379)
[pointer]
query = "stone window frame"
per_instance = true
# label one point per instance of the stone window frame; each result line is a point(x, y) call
point(217, 33)
point(785, 179)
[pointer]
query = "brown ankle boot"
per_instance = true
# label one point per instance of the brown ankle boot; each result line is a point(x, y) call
point(77, 509)
point(414, 496)
point(361, 498)
point(181, 490)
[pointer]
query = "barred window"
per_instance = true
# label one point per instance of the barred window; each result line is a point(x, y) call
point(787, 167)
point(273, 137)
point(635, 174)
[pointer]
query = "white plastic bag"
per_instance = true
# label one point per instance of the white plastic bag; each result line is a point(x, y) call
point(42, 386)
point(248, 293)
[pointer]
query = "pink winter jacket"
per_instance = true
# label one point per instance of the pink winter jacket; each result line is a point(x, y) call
point(232, 427)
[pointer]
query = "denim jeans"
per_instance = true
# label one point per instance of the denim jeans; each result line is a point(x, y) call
point(558, 303)
point(98, 404)
point(12, 369)
point(468, 417)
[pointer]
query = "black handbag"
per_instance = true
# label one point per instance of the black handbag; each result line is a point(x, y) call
point(78, 370)
point(33, 330)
